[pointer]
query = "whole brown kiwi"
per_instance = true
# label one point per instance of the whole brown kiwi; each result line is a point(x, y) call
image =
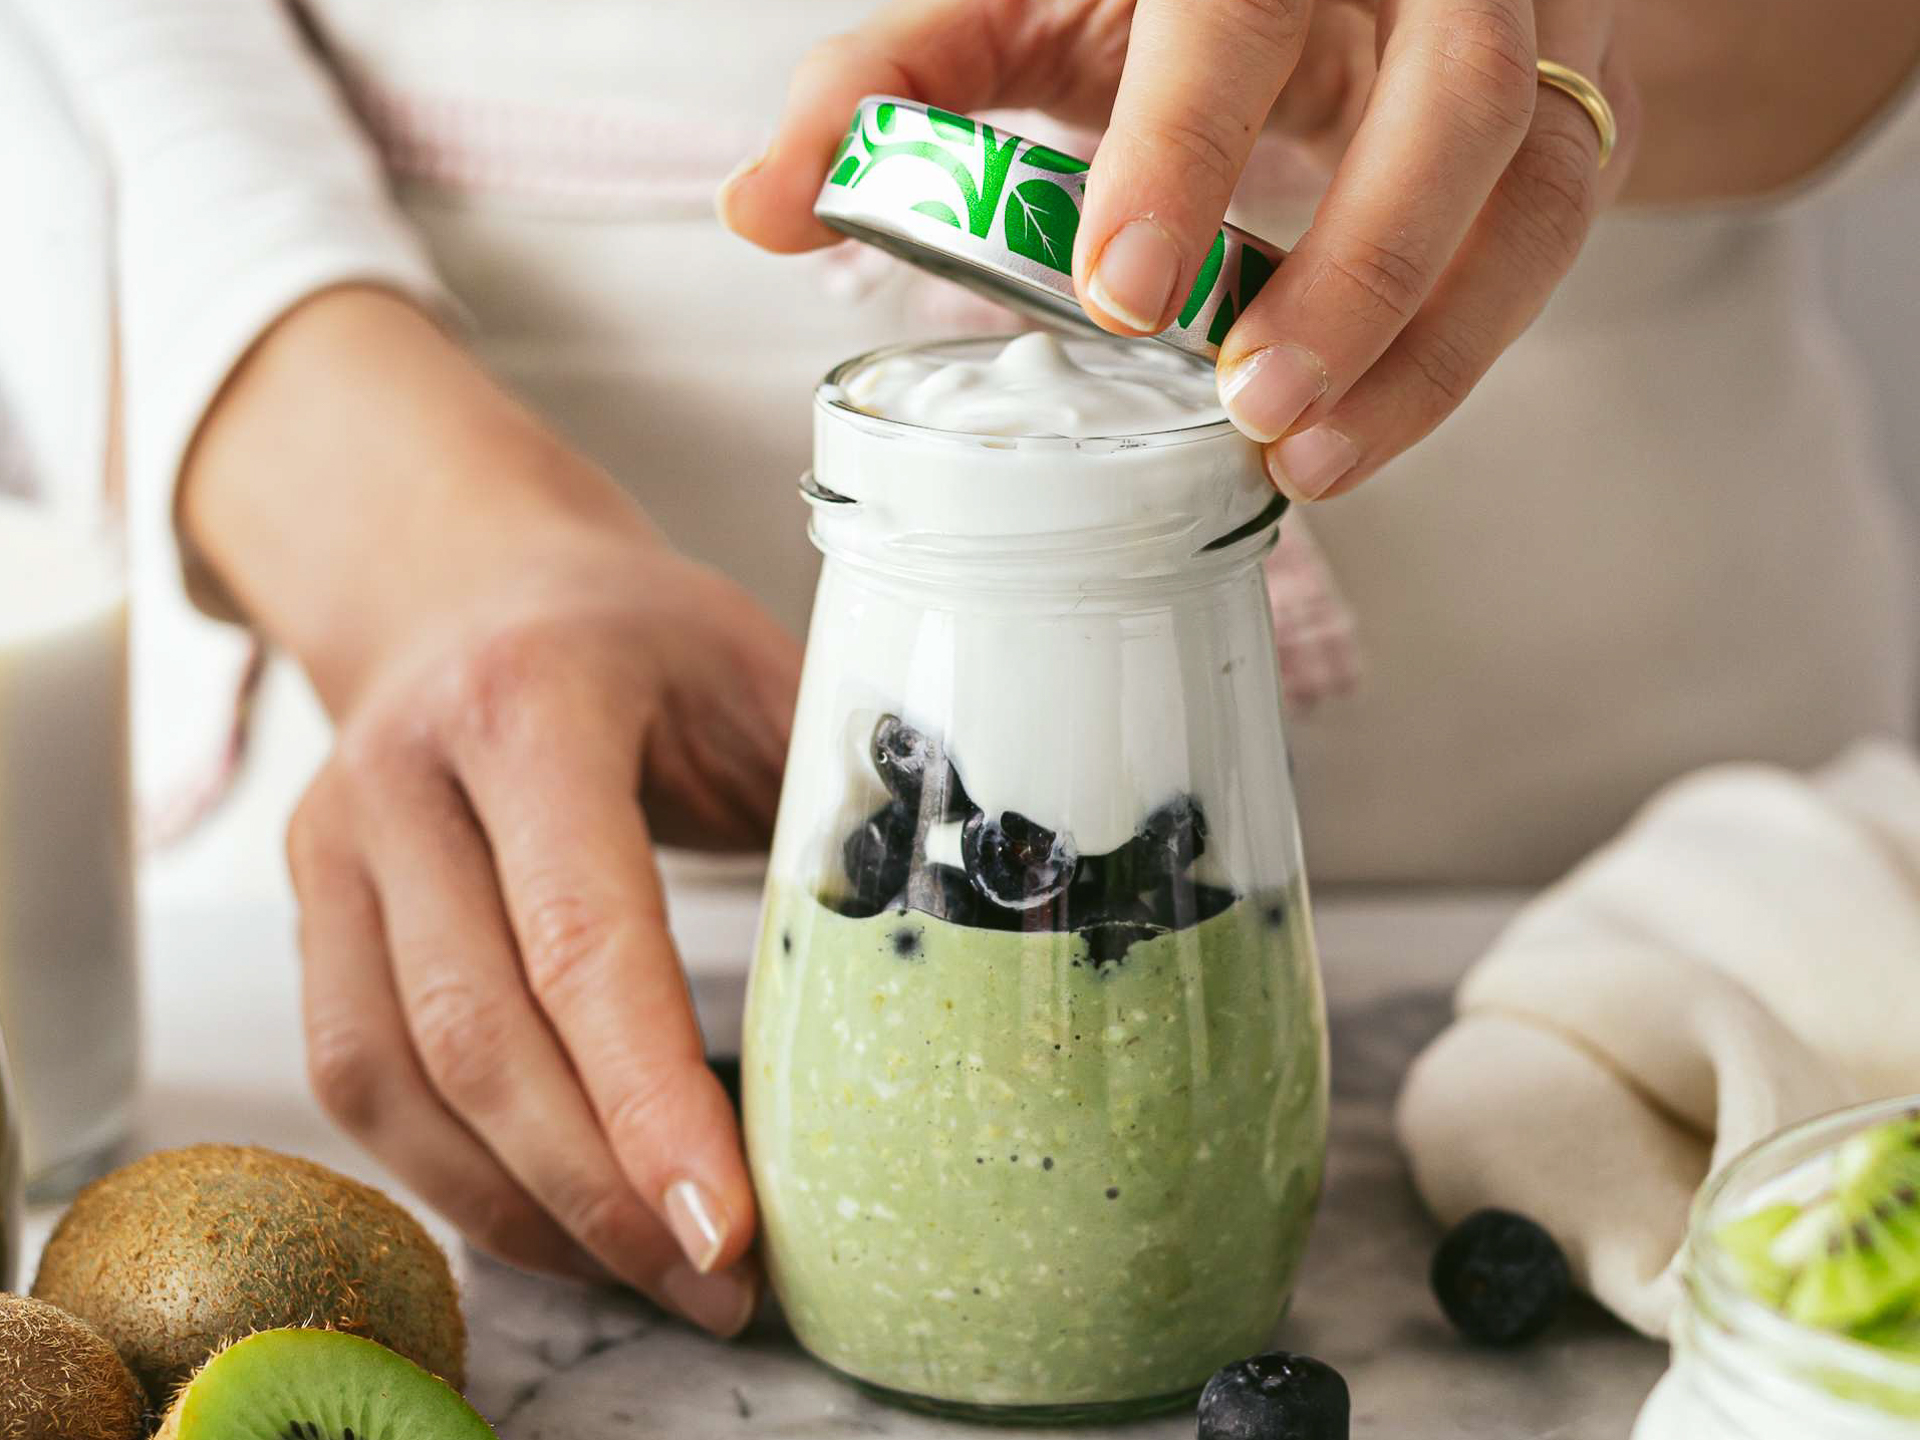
point(186, 1251)
point(61, 1380)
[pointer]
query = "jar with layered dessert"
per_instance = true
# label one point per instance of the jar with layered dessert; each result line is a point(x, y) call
point(1035, 1059)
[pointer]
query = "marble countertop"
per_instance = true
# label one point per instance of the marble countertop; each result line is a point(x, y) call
point(555, 1360)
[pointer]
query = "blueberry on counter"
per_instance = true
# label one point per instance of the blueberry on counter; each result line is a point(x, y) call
point(1276, 1397)
point(1014, 861)
point(879, 855)
point(915, 771)
point(1500, 1278)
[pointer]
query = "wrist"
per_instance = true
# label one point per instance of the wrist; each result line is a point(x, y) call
point(359, 474)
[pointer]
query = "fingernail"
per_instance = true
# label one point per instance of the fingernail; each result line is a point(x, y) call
point(696, 1223)
point(722, 1303)
point(1134, 279)
point(1305, 465)
point(1265, 392)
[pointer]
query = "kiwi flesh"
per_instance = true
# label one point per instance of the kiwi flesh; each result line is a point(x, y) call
point(185, 1251)
point(1749, 1242)
point(1849, 1261)
point(61, 1380)
point(317, 1385)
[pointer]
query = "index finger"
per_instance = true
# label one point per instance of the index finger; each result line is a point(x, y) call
point(1199, 79)
point(584, 898)
point(1449, 109)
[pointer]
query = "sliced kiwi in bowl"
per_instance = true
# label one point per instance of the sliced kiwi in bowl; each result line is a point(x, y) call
point(1848, 1260)
point(297, 1384)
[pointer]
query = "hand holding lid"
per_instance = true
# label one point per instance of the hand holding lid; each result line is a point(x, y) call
point(1459, 194)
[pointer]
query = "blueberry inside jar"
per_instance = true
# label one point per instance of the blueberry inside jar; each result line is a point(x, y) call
point(1035, 1057)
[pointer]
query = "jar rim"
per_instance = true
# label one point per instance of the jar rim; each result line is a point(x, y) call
point(1714, 1280)
point(830, 396)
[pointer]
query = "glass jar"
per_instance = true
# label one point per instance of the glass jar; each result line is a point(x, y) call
point(68, 986)
point(1035, 1066)
point(1743, 1371)
point(10, 1180)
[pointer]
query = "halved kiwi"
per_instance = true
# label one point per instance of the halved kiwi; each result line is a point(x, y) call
point(1850, 1260)
point(317, 1385)
point(60, 1377)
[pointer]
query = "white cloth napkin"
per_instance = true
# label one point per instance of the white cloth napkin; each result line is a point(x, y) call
point(1745, 954)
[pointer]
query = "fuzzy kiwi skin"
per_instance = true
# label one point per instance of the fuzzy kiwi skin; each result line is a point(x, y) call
point(186, 1251)
point(61, 1380)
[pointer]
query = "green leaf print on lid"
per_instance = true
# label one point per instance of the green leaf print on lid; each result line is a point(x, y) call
point(949, 126)
point(1045, 157)
point(1203, 282)
point(1041, 221)
point(1223, 319)
point(999, 213)
point(939, 210)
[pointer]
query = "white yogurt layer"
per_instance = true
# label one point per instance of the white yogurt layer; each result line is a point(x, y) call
point(1037, 386)
point(1037, 593)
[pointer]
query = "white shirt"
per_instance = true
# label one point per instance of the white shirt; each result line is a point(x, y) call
point(1656, 536)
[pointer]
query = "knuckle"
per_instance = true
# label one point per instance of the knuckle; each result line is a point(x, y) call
point(371, 750)
point(1451, 367)
point(1197, 140)
point(1267, 24)
point(599, 1216)
point(489, 682)
point(634, 1120)
point(1483, 61)
point(1554, 190)
point(461, 1038)
point(563, 935)
point(344, 1070)
point(1492, 43)
point(1387, 284)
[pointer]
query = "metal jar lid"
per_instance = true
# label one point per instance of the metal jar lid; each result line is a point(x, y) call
point(997, 213)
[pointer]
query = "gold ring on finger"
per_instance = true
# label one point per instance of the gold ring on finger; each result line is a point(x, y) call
point(1588, 97)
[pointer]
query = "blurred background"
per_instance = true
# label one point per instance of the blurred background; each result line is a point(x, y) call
point(1865, 233)
point(1868, 243)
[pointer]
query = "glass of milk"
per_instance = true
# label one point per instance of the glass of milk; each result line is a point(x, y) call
point(9, 1180)
point(68, 986)
point(68, 1003)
